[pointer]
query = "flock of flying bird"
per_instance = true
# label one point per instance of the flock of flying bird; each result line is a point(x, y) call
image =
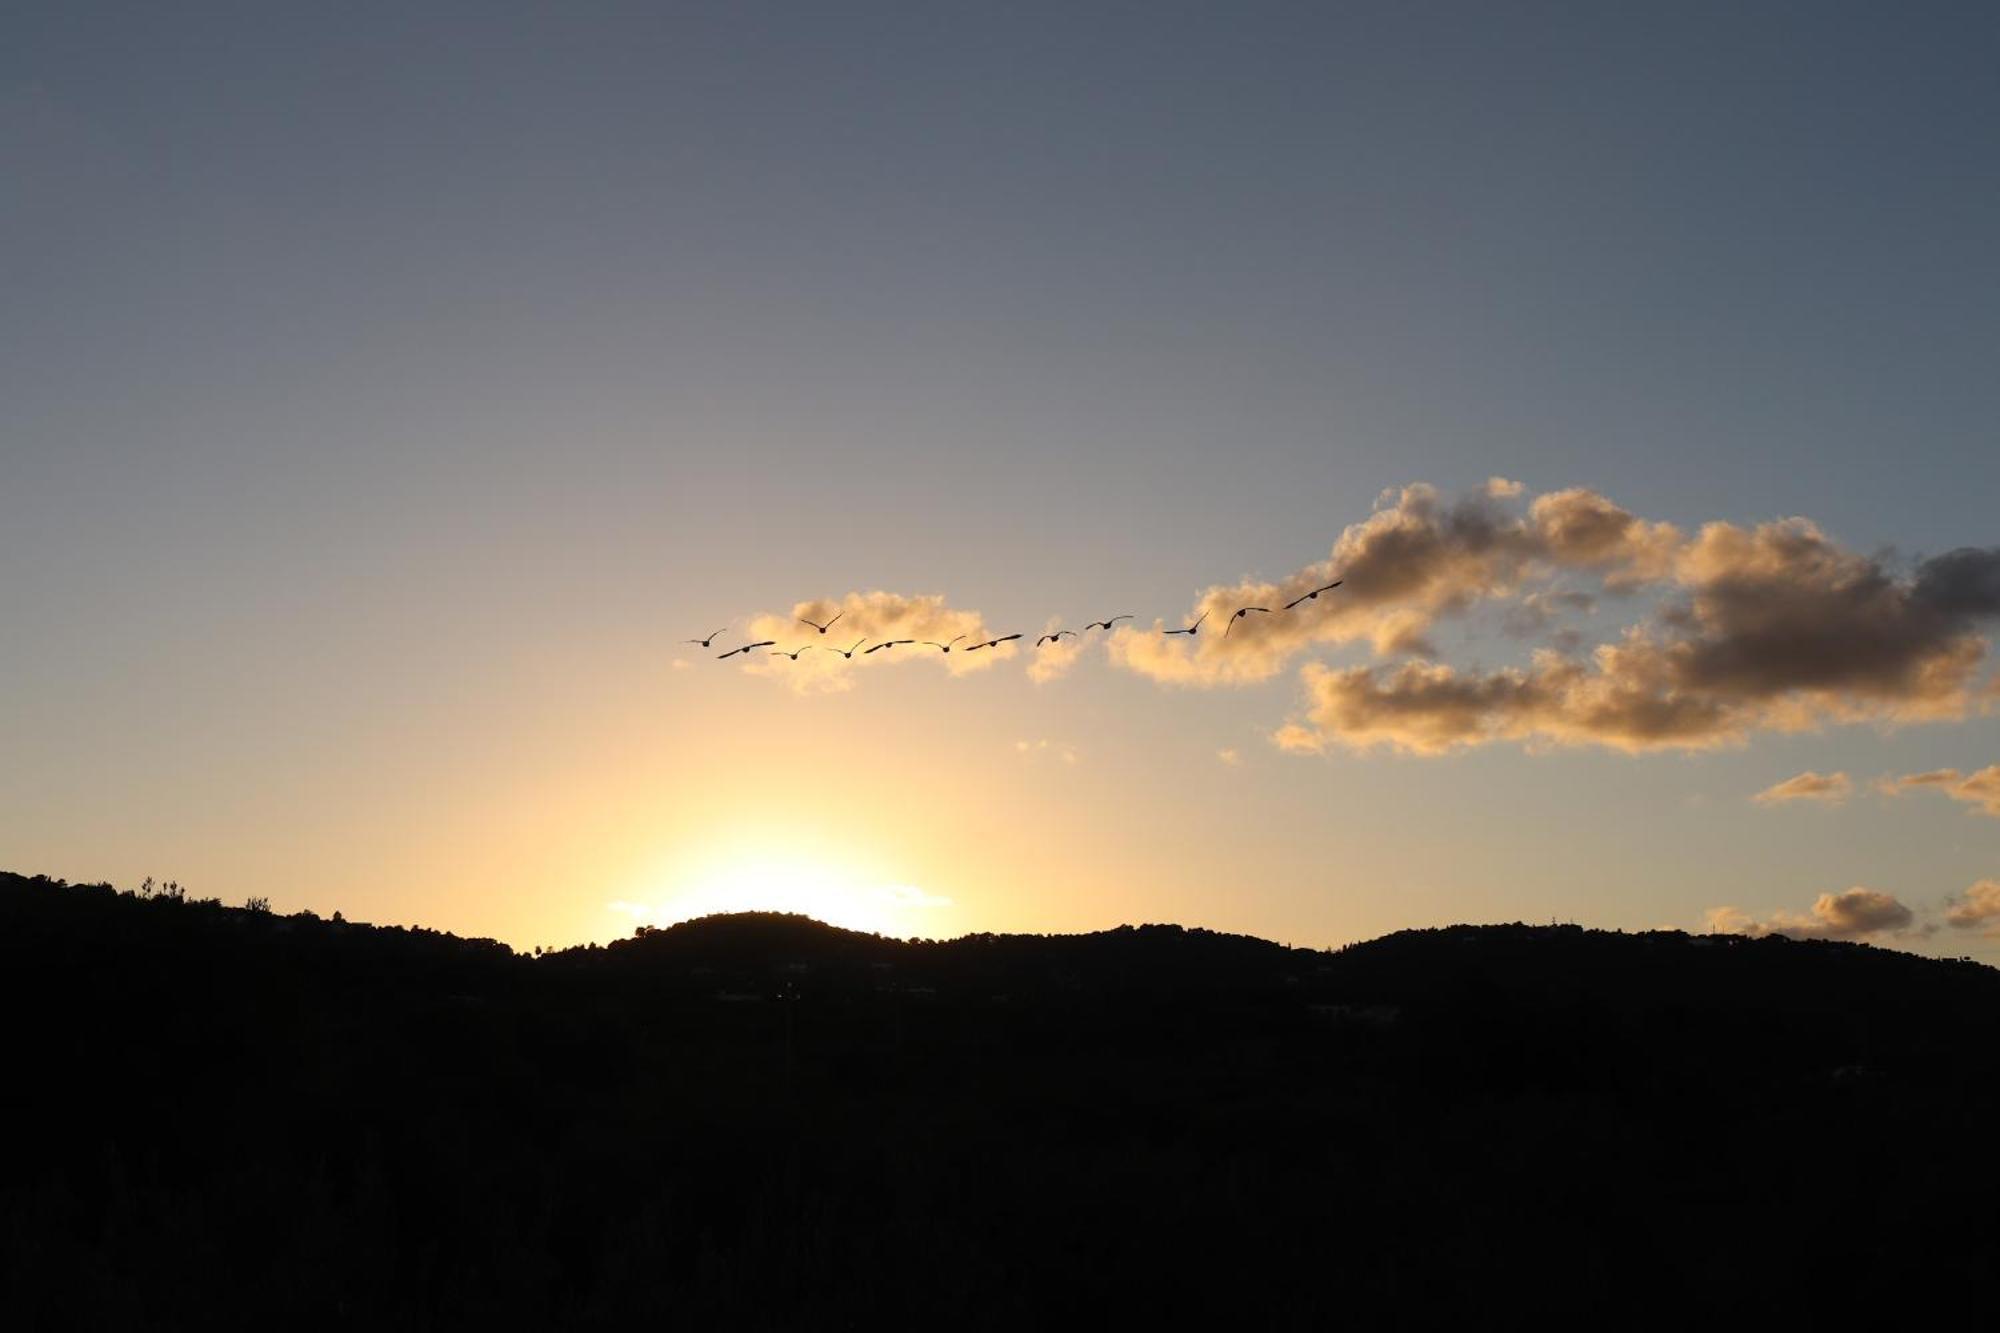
point(1054, 637)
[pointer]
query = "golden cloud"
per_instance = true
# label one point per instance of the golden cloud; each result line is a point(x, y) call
point(1980, 790)
point(1854, 914)
point(866, 619)
point(1832, 788)
point(1978, 909)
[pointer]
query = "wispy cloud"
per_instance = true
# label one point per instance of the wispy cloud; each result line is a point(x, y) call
point(1061, 751)
point(1831, 788)
point(1981, 790)
point(1230, 756)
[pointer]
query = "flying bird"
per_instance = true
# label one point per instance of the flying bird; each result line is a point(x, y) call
point(1051, 638)
point(891, 643)
point(765, 643)
point(1241, 612)
point(849, 652)
point(1314, 593)
point(1004, 638)
point(1191, 629)
point(794, 654)
point(933, 643)
point(707, 641)
point(1105, 624)
point(822, 628)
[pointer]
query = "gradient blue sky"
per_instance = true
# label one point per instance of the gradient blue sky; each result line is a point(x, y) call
point(386, 390)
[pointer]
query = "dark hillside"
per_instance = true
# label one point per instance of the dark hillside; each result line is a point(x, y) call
point(758, 1121)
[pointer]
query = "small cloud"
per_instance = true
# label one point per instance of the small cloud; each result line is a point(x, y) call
point(1831, 788)
point(833, 661)
point(909, 895)
point(1980, 790)
point(1053, 660)
point(1061, 751)
point(1978, 909)
point(1228, 755)
point(1500, 488)
point(682, 664)
point(1853, 914)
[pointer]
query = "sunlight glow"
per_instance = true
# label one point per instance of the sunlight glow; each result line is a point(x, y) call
point(791, 882)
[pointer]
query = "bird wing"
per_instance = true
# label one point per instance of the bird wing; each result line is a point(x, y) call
point(829, 624)
point(1007, 638)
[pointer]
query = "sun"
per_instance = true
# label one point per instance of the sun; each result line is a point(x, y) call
point(783, 881)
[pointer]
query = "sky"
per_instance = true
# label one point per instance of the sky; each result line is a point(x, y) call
point(388, 393)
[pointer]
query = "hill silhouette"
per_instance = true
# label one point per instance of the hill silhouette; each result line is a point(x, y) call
point(229, 1117)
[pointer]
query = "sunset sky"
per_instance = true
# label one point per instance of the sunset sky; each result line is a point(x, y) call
point(388, 392)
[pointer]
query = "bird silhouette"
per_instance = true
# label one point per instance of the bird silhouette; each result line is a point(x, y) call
point(822, 628)
point(849, 652)
point(794, 654)
point(891, 643)
point(1105, 624)
point(707, 641)
point(1241, 612)
point(1004, 638)
point(762, 643)
point(1051, 638)
point(1191, 629)
point(1314, 593)
point(935, 644)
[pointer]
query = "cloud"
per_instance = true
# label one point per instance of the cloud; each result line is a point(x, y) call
point(1980, 790)
point(1061, 750)
point(1853, 914)
point(1534, 614)
point(1052, 661)
point(1832, 788)
point(909, 895)
point(867, 618)
point(1414, 561)
point(682, 664)
point(1429, 708)
point(1771, 627)
point(1979, 909)
point(1229, 756)
point(1768, 628)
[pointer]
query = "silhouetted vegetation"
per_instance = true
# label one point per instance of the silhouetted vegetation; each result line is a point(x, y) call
point(234, 1118)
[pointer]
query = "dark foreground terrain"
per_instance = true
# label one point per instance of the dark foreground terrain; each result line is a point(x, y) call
point(227, 1118)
